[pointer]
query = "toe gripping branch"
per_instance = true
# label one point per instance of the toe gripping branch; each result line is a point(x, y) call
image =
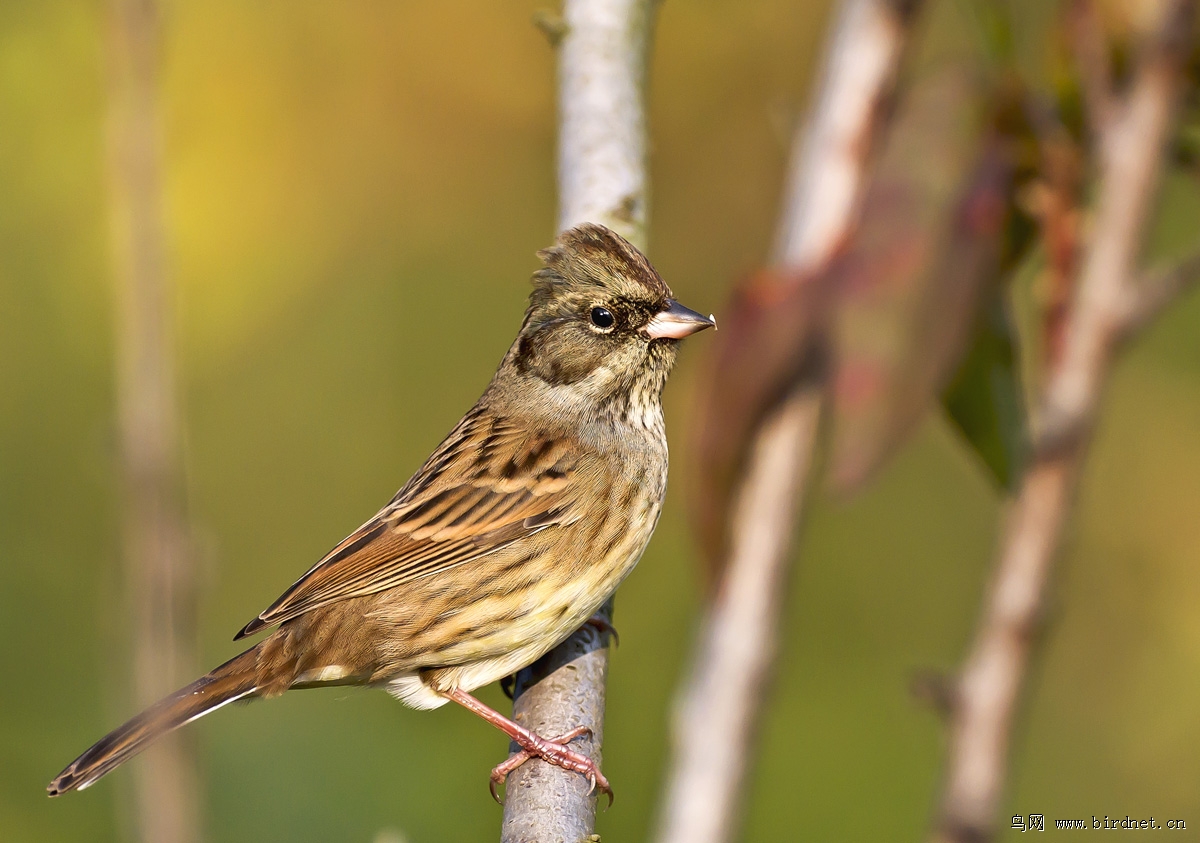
point(551, 750)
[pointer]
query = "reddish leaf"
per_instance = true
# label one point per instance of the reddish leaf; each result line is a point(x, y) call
point(769, 338)
point(893, 309)
point(908, 287)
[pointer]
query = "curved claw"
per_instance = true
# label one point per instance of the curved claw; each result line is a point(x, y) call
point(606, 790)
point(500, 772)
point(554, 752)
point(496, 793)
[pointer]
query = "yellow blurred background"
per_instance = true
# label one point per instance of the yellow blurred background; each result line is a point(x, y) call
point(355, 191)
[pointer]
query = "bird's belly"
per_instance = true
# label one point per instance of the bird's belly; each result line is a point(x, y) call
point(550, 614)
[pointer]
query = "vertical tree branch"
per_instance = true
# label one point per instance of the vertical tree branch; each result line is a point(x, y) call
point(1130, 153)
point(602, 62)
point(603, 55)
point(719, 707)
point(833, 149)
point(159, 577)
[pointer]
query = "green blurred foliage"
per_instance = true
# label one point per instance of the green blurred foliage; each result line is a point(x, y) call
point(355, 192)
point(985, 400)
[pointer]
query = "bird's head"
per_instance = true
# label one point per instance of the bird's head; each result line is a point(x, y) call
point(601, 319)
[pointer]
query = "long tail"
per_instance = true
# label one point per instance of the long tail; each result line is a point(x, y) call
point(232, 681)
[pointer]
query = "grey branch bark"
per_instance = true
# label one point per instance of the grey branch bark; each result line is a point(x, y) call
point(602, 62)
point(156, 546)
point(603, 54)
point(1130, 155)
point(719, 707)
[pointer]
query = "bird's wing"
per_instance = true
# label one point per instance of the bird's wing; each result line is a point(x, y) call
point(487, 485)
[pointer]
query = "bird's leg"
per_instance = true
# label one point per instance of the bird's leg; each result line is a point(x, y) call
point(553, 751)
point(500, 771)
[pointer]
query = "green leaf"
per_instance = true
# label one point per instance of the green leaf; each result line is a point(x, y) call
point(984, 401)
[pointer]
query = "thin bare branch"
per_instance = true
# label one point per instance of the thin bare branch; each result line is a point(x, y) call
point(603, 51)
point(157, 550)
point(830, 154)
point(1147, 299)
point(1130, 158)
point(718, 710)
point(602, 62)
point(719, 707)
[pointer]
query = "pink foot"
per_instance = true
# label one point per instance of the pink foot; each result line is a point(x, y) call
point(532, 745)
point(553, 751)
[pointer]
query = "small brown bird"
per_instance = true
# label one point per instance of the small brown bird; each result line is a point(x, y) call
point(510, 536)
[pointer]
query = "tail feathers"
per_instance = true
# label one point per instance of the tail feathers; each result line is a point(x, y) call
point(232, 681)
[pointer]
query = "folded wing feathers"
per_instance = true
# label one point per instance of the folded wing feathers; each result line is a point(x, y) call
point(485, 487)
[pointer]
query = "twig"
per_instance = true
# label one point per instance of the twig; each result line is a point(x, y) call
point(1130, 156)
point(718, 710)
point(831, 152)
point(602, 59)
point(603, 51)
point(1151, 296)
point(719, 707)
point(159, 571)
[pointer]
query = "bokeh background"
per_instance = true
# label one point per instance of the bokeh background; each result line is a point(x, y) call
point(355, 191)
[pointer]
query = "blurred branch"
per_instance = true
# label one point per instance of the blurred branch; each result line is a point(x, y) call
point(1130, 153)
point(1149, 298)
point(719, 707)
point(159, 575)
point(603, 50)
point(831, 153)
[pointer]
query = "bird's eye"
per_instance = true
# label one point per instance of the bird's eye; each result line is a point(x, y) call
point(602, 318)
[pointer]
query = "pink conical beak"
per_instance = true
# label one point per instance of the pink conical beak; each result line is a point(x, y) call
point(677, 322)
